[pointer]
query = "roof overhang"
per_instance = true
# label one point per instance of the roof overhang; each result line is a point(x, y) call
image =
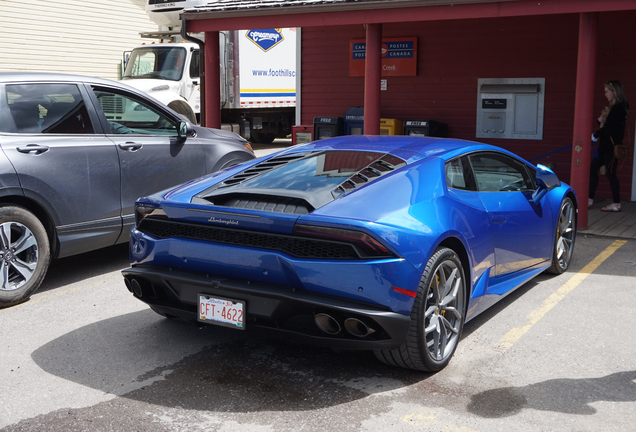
point(236, 15)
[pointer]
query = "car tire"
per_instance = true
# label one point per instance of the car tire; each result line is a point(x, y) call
point(24, 254)
point(564, 238)
point(437, 318)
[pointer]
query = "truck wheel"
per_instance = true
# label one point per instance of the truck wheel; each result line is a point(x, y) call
point(24, 254)
point(184, 109)
point(261, 138)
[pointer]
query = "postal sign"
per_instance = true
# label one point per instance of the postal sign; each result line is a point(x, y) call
point(399, 57)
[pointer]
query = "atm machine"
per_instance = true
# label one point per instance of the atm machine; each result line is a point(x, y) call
point(510, 108)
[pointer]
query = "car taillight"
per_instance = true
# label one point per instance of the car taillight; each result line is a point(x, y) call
point(364, 243)
point(143, 211)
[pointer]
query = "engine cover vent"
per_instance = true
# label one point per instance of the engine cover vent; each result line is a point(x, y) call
point(262, 202)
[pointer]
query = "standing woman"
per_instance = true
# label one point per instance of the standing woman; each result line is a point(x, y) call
point(610, 133)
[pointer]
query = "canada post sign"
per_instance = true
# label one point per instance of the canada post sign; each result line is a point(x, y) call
point(399, 57)
point(265, 39)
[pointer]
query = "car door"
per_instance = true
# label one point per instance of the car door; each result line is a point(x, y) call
point(521, 229)
point(192, 86)
point(151, 156)
point(65, 162)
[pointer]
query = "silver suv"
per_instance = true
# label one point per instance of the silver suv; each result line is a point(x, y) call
point(76, 154)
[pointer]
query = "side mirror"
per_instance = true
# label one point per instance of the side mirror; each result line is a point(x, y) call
point(546, 180)
point(185, 130)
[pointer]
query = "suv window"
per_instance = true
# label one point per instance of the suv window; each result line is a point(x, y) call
point(48, 108)
point(129, 115)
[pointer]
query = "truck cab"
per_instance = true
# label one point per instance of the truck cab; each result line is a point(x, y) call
point(170, 73)
point(257, 73)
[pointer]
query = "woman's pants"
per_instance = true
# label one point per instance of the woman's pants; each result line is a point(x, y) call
point(610, 163)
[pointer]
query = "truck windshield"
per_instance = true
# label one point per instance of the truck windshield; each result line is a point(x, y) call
point(156, 62)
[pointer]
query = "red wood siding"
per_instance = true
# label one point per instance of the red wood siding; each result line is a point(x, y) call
point(453, 55)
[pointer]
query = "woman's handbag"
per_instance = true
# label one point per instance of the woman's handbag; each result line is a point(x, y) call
point(621, 151)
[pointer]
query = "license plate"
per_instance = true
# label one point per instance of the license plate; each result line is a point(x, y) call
point(224, 312)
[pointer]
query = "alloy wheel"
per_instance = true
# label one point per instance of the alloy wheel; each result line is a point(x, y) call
point(18, 255)
point(444, 308)
point(565, 235)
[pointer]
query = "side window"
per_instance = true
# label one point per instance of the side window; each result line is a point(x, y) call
point(128, 115)
point(194, 64)
point(459, 174)
point(496, 172)
point(48, 109)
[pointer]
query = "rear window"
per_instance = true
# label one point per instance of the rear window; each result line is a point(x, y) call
point(315, 174)
point(317, 178)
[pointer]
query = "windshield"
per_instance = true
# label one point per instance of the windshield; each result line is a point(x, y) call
point(156, 62)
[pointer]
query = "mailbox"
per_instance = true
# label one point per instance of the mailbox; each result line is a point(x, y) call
point(354, 121)
point(327, 127)
point(425, 128)
point(390, 126)
point(510, 108)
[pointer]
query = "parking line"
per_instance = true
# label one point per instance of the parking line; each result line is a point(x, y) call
point(428, 419)
point(510, 338)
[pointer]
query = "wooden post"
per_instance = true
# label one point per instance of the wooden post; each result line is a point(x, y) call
point(583, 113)
point(372, 74)
point(212, 81)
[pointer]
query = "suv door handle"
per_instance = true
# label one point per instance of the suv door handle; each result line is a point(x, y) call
point(130, 146)
point(35, 149)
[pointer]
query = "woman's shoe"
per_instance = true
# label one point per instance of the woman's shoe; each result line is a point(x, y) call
point(613, 207)
point(590, 202)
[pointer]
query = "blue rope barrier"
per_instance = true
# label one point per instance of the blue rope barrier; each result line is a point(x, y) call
point(548, 154)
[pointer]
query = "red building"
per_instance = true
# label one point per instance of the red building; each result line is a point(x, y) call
point(574, 45)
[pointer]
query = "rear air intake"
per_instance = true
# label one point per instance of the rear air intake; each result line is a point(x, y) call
point(309, 242)
point(294, 246)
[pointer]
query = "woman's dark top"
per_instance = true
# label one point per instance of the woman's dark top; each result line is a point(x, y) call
point(614, 128)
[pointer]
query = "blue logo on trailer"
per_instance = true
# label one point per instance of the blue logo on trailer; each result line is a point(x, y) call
point(265, 39)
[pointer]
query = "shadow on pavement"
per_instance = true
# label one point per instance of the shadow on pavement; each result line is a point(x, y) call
point(143, 357)
point(549, 396)
point(76, 268)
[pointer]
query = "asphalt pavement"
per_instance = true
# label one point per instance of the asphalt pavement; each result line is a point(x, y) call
point(558, 354)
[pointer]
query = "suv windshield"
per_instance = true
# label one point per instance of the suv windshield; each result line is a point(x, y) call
point(166, 62)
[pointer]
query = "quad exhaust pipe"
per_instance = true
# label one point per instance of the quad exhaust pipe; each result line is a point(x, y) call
point(134, 287)
point(357, 327)
point(327, 323)
point(331, 326)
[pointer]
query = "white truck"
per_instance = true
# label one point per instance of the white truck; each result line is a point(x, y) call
point(258, 73)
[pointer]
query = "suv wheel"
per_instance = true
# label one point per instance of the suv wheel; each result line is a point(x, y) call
point(24, 254)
